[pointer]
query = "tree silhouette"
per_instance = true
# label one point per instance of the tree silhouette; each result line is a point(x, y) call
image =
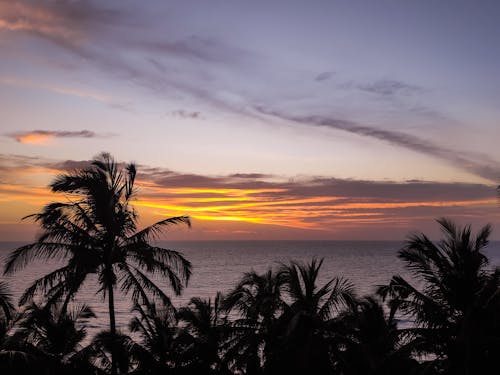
point(206, 322)
point(95, 231)
point(456, 309)
point(54, 335)
point(116, 350)
point(301, 345)
point(257, 299)
point(12, 356)
point(159, 351)
point(367, 341)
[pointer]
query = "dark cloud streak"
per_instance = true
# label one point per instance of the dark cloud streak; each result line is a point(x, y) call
point(388, 87)
point(485, 167)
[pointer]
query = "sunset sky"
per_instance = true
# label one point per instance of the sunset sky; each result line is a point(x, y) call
point(259, 119)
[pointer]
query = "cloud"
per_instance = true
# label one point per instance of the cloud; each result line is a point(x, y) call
point(324, 76)
point(186, 114)
point(323, 205)
point(250, 175)
point(314, 203)
point(66, 23)
point(79, 93)
point(115, 42)
point(41, 137)
point(193, 48)
point(477, 164)
point(388, 87)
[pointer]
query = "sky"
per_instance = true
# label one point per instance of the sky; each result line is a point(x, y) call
point(258, 119)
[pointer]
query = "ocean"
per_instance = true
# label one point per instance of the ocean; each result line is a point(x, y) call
point(218, 265)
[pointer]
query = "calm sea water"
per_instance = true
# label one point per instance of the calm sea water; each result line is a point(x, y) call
point(218, 265)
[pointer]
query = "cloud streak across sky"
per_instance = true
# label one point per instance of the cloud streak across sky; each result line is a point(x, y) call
point(42, 137)
point(477, 164)
point(314, 207)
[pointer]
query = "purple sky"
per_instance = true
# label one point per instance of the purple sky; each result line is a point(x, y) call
point(282, 92)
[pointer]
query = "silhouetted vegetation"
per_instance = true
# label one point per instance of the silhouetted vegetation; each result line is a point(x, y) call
point(280, 321)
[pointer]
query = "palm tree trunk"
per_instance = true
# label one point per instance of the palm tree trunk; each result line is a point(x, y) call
point(112, 327)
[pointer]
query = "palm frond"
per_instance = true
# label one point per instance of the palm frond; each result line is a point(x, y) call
point(6, 304)
point(155, 229)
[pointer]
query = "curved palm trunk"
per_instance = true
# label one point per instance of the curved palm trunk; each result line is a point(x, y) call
point(112, 327)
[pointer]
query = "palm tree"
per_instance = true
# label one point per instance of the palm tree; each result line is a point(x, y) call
point(257, 299)
point(12, 356)
point(206, 323)
point(113, 350)
point(157, 328)
point(456, 308)
point(95, 231)
point(301, 345)
point(54, 335)
point(368, 341)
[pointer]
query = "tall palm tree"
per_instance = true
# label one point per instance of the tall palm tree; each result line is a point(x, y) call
point(301, 344)
point(257, 301)
point(95, 231)
point(457, 305)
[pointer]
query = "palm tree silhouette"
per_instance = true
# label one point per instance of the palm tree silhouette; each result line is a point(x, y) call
point(55, 336)
point(12, 356)
point(96, 233)
point(159, 352)
point(113, 350)
point(367, 341)
point(301, 345)
point(257, 299)
point(456, 308)
point(206, 322)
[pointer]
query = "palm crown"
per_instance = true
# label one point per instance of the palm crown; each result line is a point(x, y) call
point(95, 232)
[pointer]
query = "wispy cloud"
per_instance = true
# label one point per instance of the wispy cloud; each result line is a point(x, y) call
point(86, 94)
point(96, 35)
point(477, 164)
point(42, 137)
point(66, 23)
point(388, 87)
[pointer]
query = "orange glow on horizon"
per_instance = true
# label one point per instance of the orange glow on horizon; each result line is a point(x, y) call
point(271, 207)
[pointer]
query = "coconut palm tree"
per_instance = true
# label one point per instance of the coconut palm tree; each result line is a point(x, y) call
point(457, 305)
point(95, 232)
point(206, 323)
point(367, 341)
point(54, 335)
point(301, 344)
point(257, 301)
point(158, 352)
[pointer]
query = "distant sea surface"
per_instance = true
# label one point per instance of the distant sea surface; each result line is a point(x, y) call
point(218, 265)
